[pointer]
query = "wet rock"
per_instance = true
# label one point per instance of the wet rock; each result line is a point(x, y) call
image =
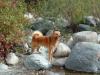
point(12, 59)
point(84, 57)
point(62, 50)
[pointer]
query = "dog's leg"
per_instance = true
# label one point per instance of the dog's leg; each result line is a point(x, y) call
point(33, 47)
point(50, 54)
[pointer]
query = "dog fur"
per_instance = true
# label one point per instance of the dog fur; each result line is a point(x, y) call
point(50, 42)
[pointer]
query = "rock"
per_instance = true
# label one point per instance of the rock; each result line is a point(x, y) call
point(70, 42)
point(36, 62)
point(3, 67)
point(59, 61)
point(98, 22)
point(12, 59)
point(62, 22)
point(90, 20)
point(46, 24)
point(62, 50)
point(28, 37)
point(44, 51)
point(83, 27)
point(98, 38)
point(84, 57)
point(93, 21)
point(85, 36)
point(26, 47)
point(29, 17)
point(49, 32)
point(43, 25)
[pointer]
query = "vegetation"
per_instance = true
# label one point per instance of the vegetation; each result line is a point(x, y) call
point(74, 10)
point(12, 21)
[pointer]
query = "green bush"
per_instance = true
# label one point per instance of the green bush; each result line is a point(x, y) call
point(12, 20)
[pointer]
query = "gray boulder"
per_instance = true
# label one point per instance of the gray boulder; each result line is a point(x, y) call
point(84, 57)
point(85, 36)
point(62, 50)
point(36, 62)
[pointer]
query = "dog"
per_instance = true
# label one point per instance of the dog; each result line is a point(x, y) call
point(51, 41)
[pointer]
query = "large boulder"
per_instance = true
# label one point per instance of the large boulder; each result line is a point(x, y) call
point(36, 62)
point(84, 57)
point(62, 50)
point(12, 59)
point(85, 36)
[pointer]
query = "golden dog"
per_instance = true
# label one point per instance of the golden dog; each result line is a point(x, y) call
point(50, 42)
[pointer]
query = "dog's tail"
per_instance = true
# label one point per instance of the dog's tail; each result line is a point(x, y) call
point(37, 34)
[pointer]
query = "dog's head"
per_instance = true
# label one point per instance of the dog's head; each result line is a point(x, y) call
point(56, 33)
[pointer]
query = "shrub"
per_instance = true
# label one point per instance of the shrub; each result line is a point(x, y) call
point(12, 21)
